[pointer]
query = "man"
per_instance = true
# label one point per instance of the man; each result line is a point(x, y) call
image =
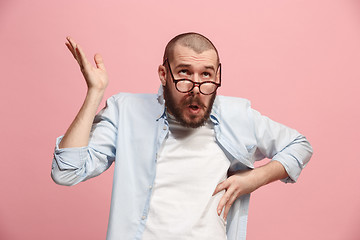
point(184, 157)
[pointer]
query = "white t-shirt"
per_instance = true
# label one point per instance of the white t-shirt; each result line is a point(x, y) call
point(190, 164)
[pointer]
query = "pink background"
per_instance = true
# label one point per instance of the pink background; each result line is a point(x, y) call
point(298, 61)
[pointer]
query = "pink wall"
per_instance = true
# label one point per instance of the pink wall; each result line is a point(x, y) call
point(298, 61)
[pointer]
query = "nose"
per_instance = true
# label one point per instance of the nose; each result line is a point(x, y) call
point(196, 89)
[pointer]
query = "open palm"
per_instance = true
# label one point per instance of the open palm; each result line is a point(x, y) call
point(96, 77)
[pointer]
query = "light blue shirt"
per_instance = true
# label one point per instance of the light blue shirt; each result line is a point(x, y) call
point(130, 131)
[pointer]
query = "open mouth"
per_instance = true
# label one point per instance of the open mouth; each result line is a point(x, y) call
point(194, 107)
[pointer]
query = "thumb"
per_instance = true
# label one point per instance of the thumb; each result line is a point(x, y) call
point(99, 61)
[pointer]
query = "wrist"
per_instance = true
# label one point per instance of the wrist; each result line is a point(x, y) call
point(260, 177)
point(270, 172)
point(95, 95)
point(93, 99)
point(96, 91)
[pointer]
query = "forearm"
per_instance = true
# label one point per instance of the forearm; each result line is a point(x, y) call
point(78, 133)
point(253, 179)
point(268, 173)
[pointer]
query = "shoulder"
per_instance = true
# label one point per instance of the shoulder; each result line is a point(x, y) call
point(233, 111)
point(124, 99)
point(123, 96)
point(137, 104)
point(231, 104)
point(232, 100)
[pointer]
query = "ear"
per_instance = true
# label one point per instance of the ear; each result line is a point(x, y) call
point(218, 74)
point(162, 74)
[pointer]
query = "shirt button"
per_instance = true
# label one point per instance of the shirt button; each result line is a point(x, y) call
point(150, 187)
point(164, 127)
point(143, 217)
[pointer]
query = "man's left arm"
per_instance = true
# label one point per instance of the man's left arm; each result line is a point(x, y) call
point(289, 151)
point(247, 181)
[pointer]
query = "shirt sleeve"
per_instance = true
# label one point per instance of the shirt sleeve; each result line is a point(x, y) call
point(282, 144)
point(73, 165)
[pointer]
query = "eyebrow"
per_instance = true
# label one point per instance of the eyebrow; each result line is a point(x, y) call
point(189, 65)
point(210, 67)
point(182, 66)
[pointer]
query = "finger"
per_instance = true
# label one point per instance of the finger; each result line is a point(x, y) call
point(68, 45)
point(228, 205)
point(225, 198)
point(75, 48)
point(72, 43)
point(81, 57)
point(221, 186)
point(99, 61)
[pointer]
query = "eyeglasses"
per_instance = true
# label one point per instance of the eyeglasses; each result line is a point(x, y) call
point(186, 85)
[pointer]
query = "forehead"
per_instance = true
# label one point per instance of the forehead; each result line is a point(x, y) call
point(186, 55)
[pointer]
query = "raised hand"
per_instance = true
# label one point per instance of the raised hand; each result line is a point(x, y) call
point(96, 77)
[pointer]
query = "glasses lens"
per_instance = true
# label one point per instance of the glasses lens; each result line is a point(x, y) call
point(184, 85)
point(208, 87)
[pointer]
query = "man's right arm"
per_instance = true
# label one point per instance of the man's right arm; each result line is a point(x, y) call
point(96, 79)
point(66, 169)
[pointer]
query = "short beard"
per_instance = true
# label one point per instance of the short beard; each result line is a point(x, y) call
point(176, 111)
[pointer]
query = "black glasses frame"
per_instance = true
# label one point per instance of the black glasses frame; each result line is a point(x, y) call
point(194, 83)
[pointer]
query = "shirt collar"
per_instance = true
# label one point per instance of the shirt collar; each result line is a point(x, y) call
point(214, 115)
point(161, 101)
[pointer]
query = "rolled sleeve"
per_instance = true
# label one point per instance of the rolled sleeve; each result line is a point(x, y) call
point(281, 143)
point(77, 156)
point(67, 164)
point(294, 158)
point(73, 165)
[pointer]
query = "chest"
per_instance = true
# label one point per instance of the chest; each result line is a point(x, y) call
point(191, 155)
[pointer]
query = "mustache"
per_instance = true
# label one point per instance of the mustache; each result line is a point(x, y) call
point(193, 100)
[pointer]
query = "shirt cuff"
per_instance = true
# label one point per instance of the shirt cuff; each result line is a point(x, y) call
point(69, 158)
point(292, 167)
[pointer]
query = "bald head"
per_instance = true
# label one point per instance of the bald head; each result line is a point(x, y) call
point(195, 41)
